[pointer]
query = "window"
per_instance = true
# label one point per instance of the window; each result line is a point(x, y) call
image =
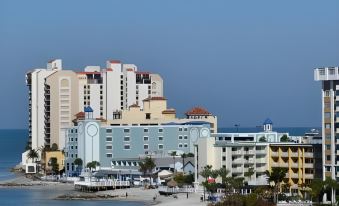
point(180, 145)
point(223, 158)
point(109, 155)
point(126, 139)
point(327, 114)
point(327, 126)
point(160, 146)
point(148, 115)
point(146, 138)
point(327, 105)
point(185, 129)
point(126, 130)
point(108, 146)
point(185, 137)
point(146, 130)
point(223, 149)
point(328, 157)
point(108, 139)
point(180, 137)
point(108, 130)
point(127, 147)
point(76, 139)
point(146, 146)
point(327, 93)
point(185, 145)
point(160, 138)
point(328, 147)
point(161, 130)
point(71, 147)
point(180, 129)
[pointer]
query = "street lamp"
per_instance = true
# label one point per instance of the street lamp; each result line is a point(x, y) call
point(237, 126)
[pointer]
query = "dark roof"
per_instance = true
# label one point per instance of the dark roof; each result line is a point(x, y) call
point(268, 121)
point(154, 98)
point(88, 109)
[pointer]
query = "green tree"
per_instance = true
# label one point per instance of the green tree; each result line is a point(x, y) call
point(78, 162)
point(262, 139)
point(173, 154)
point(206, 173)
point(54, 147)
point(249, 173)
point(54, 164)
point(284, 138)
point(146, 167)
point(183, 156)
point(317, 187)
point(331, 184)
point(33, 154)
point(93, 165)
point(276, 176)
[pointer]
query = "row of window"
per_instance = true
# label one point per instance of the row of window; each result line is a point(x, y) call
point(128, 146)
point(72, 139)
point(128, 139)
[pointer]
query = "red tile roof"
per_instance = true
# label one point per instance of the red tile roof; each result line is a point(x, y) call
point(109, 69)
point(80, 115)
point(198, 111)
point(130, 70)
point(115, 61)
point(154, 98)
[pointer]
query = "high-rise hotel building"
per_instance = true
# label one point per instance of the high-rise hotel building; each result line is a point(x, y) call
point(329, 77)
point(57, 95)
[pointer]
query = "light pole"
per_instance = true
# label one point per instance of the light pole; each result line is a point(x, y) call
point(237, 126)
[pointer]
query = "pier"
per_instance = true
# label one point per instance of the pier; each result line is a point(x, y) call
point(87, 186)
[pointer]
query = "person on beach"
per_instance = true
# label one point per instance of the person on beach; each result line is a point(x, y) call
point(126, 195)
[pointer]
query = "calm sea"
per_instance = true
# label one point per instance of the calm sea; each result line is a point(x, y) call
point(12, 144)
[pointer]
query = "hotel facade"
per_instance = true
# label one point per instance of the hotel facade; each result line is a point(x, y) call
point(56, 95)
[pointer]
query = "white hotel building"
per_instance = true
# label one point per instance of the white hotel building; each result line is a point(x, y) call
point(57, 95)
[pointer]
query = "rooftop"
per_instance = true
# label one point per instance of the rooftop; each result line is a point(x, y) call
point(198, 111)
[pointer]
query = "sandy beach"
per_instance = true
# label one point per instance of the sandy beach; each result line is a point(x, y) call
point(133, 194)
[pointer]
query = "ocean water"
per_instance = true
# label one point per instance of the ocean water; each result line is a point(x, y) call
point(12, 144)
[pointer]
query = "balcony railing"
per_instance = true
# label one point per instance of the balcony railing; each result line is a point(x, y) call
point(237, 152)
point(309, 176)
point(308, 165)
point(237, 170)
point(284, 154)
point(308, 154)
point(274, 154)
point(294, 165)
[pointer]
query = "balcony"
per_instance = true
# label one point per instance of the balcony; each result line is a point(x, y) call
point(250, 161)
point(275, 154)
point(309, 165)
point(294, 165)
point(249, 152)
point(238, 161)
point(275, 164)
point(294, 154)
point(309, 176)
point(262, 151)
point(308, 154)
point(284, 154)
point(237, 152)
point(260, 169)
point(293, 175)
point(237, 170)
point(261, 160)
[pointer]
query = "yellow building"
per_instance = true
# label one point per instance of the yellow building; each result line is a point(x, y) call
point(54, 154)
point(298, 159)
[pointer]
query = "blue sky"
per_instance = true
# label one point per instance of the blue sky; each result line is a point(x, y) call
point(242, 60)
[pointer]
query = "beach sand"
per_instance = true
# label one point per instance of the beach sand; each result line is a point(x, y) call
point(133, 194)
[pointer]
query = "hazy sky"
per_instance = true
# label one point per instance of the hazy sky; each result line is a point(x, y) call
point(242, 60)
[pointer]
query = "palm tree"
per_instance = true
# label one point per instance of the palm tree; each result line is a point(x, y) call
point(249, 173)
point(93, 165)
point(183, 156)
point(276, 176)
point(147, 166)
point(331, 184)
point(317, 187)
point(206, 173)
point(173, 154)
point(223, 173)
point(32, 154)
